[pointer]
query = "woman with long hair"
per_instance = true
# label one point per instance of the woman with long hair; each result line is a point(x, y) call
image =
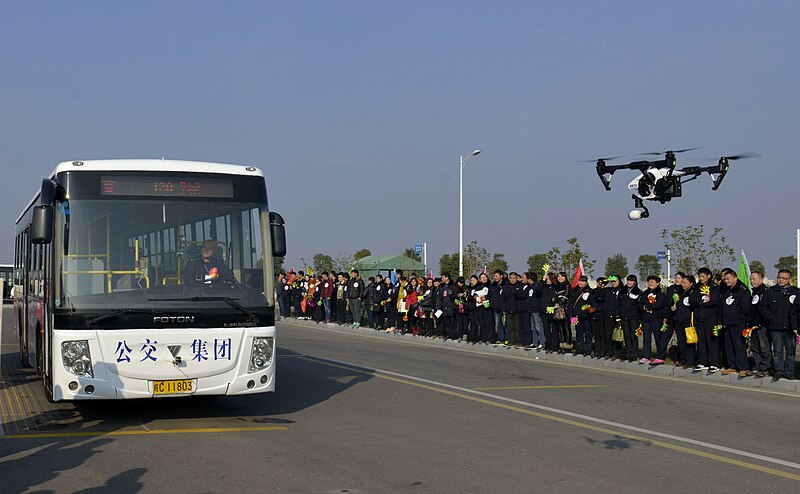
point(425, 299)
point(561, 314)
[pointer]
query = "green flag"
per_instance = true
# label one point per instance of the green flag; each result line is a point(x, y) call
point(744, 272)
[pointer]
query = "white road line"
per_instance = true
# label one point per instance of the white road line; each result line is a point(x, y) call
point(587, 418)
point(552, 362)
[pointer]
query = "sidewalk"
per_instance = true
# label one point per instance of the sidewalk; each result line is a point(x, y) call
point(765, 383)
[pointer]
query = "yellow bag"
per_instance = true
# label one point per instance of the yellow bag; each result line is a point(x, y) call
point(691, 333)
point(618, 335)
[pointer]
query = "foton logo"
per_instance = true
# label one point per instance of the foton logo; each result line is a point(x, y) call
point(172, 319)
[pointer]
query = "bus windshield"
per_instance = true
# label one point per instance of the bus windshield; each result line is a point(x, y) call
point(152, 254)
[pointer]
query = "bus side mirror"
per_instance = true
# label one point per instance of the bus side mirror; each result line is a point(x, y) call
point(278, 234)
point(42, 225)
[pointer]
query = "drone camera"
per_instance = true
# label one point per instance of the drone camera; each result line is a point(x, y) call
point(638, 214)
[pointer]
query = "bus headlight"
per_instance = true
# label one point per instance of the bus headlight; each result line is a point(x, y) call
point(76, 358)
point(261, 354)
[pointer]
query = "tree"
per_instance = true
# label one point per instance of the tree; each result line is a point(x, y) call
point(617, 265)
point(411, 254)
point(535, 263)
point(756, 265)
point(573, 255)
point(498, 262)
point(788, 262)
point(648, 265)
point(360, 254)
point(690, 249)
point(448, 263)
point(277, 264)
point(342, 263)
point(475, 258)
point(322, 262)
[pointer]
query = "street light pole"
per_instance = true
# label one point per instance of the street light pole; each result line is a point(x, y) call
point(461, 164)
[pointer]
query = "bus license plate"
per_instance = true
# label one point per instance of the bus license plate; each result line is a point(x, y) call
point(180, 386)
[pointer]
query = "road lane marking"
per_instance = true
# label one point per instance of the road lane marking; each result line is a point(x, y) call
point(150, 432)
point(517, 406)
point(545, 361)
point(575, 386)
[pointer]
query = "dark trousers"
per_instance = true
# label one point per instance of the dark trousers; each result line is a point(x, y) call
point(583, 336)
point(427, 324)
point(651, 330)
point(783, 350)
point(475, 325)
point(565, 331)
point(444, 326)
point(462, 325)
point(551, 333)
point(486, 320)
point(341, 311)
point(598, 330)
point(609, 322)
point(629, 327)
point(760, 347)
point(513, 328)
point(735, 347)
point(377, 318)
point(391, 315)
point(524, 325)
point(355, 310)
point(707, 343)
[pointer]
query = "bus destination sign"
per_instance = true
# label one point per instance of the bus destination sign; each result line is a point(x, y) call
point(165, 186)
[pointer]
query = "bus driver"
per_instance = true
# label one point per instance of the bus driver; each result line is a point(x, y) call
point(206, 268)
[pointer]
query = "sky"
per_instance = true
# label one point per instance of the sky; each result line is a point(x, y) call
point(358, 111)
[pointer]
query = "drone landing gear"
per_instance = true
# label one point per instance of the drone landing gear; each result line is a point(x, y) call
point(640, 211)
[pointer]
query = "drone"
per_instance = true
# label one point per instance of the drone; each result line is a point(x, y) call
point(658, 179)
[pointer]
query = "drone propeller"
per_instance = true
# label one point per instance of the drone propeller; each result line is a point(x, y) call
point(659, 153)
point(740, 156)
point(611, 158)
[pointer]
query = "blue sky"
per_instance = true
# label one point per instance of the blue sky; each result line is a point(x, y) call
point(358, 112)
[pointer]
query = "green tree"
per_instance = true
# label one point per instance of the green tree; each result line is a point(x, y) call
point(362, 253)
point(411, 254)
point(277, 264)
point(648, 265)
point(617, 265)
point(498, 262)
point(475, 258)
point(573, 255)
point(788, 262)
point(448, 263)
point(690, 249)
point(535, 263)
point(756, 265)
point(342, 263)
point(322, 262)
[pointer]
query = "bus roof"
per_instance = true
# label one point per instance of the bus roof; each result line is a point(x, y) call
point(147, 165)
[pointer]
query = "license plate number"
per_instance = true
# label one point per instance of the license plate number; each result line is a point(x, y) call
point(180, 386)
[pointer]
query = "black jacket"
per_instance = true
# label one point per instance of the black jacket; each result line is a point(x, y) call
point(579, 297)
point(598, 302)
point(686, 305)
point(777, 307)
point(369, 294)
point(515, 298)
point(548, 298)
point(755, 319)
point(629, 303)
point(652, 304)
point(497, 295)
point(477, 291)
point(355, 288)
point(611, 301)
point(535, 297)
point(379, 294)
point(735, 305)
point(444, 300)
point(197, 271)
point(672, 300)
point(561, 295)
point(426, 298)
point(708, 310)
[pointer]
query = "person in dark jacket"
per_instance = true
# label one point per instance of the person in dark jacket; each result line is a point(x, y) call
point(355, 290)
point(735, 298)
point(683, 319)
point(596, 318)
point(471, 309)
point(759, 335)
point(378, 303)
point(579, 307)
point(706, 318)
point(326, 293)
point(425, 298)
point(444, 305)
point(510, 303)
point(673, 296)
point(369, 298)
point(461, 315)
point(546, 309)
point(485, 314)
point(521, 296)
point(651, 305)
point(630, 316)
point(779, 309)
point(497, 303)
point(283, 295)
point(561, 300)
point(611, 315)
point(535, 311)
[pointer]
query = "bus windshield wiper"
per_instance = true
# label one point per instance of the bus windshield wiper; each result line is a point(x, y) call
point(228, 300)
point(91, 323)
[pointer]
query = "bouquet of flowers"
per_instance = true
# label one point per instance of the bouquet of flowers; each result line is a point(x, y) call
point(747, 332)
point(651, 298)
point(664, 326)
point(716, 330)
point(551, 309)
point(639, 331)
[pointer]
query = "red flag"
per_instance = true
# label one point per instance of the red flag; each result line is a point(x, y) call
point(484, 269)
point(578, 273)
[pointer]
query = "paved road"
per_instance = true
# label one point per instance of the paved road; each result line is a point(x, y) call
point(427, 420)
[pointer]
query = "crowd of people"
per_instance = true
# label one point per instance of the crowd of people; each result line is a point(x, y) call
point(713, 320)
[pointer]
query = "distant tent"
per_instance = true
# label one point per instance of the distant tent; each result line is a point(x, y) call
point(385, 265)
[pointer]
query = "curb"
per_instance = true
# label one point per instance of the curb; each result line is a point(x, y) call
point(765, 383)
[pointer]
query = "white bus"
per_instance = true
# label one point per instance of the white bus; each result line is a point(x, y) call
point(143, 278)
